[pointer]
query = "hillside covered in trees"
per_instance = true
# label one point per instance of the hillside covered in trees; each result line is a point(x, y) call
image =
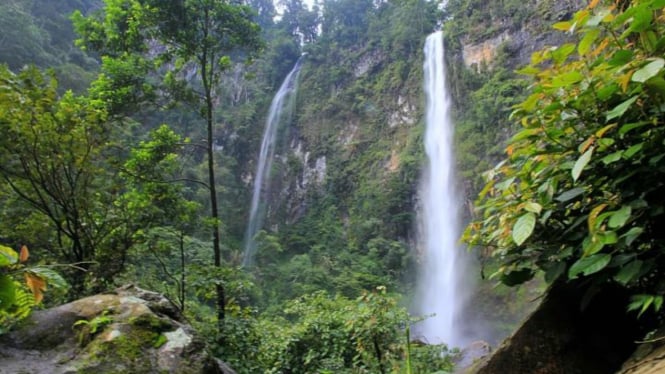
point(132, 131)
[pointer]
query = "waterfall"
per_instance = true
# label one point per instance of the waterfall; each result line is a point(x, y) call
point(280, 110)
point(441, 285)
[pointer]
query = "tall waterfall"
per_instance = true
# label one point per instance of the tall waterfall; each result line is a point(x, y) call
point(281, 110)
point(441, 285)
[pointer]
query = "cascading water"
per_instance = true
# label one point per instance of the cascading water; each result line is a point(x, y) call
point(280, 110)
point(441, 286)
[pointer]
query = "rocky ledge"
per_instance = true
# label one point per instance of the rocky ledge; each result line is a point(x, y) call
point(129, 331)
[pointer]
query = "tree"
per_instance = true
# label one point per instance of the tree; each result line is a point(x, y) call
point(178, 37)
point(155, 200)
point(580, 195)
point(54, 155)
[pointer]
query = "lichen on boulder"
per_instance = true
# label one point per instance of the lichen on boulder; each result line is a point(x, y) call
point(129, 331)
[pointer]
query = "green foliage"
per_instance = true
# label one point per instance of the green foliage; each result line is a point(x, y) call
point(580, 195)
point(341, 335)
point(88, 328)
point(39, 32)
point(16, 299)
point(56, 164)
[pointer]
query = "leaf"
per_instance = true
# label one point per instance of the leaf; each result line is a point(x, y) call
point(632, 150)
point(605, 129)
point(52, 277)
point(612, 157)
point(581, 163)
point(620, 109)
point(643, 302)
point(8, 256)
point(533, 207)
point(563, 26)
point(570, 194)
point(621, 57)
point(592, 245)
point(593, 215)
point(631, 126)
point(523, 228)
point(619, 218)
point(628, 272)
point(657, 84)
point(632, 234)
point(560, 54)
point(528, 70)
point(648, 71)
point(587, 41)
point(36, 284)
point(567, 79)
point(608, 237)
point(604, 93)
point(589, 265)
point(7, 292)
point(23, 256)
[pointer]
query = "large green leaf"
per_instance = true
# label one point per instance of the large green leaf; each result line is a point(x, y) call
point(569, 194)
point(620, 109)
point(648, 71)
point(587, 41)
point(7, 292)
point(567, 79)
point(621, 57)
point(632, 234)
point(619, 218)
point(589, 265)
point(51, 276)
point(628, 272)
point(523, 228)
point(612, 157)
point(560, 54)
point(533, 207)
point(581, 163)
point(8, 256)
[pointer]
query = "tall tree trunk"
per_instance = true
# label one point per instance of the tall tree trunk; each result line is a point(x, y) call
point(207, 59)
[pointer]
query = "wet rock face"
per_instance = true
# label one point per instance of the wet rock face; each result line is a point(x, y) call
point(562, 337)
point(129, 331)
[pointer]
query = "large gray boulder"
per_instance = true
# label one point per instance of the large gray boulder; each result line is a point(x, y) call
point(129, 331)
point(567, 334)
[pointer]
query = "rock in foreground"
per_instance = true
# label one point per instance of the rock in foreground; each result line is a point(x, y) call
point(130, 331)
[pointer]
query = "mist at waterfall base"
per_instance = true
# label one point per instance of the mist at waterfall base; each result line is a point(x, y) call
point(281, 110)
point(446, 278)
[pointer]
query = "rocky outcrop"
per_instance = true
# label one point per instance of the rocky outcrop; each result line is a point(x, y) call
point(129, 331)
point(649, 357)
point(520, 42)
point(563, 336)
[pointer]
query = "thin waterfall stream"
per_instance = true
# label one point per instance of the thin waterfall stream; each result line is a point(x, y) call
point(281, 109)
point(442, 290)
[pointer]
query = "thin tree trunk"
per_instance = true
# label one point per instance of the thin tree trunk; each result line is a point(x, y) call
point(206, 75)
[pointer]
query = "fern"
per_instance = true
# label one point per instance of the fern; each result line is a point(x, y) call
point(23, 304)
point(19, 310)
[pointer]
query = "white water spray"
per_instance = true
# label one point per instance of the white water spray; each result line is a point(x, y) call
point(441, 285)
point(280, 111)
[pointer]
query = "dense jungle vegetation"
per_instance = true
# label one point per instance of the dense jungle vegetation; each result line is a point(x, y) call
point(130, 134)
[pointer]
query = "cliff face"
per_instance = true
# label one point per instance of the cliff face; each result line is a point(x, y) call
point(347, 166)
point(518, 32)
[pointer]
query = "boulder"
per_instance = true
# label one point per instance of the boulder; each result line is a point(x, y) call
point(567, 334)
point(129, 331)
point(649, 357)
